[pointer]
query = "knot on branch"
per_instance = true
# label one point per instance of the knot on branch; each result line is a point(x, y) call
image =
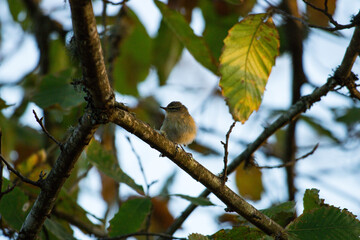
point(345, 81)
point(356, 19)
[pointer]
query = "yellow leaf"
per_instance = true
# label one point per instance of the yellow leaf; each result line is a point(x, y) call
point(249, 183)
point(33, 165)
point(249, 53)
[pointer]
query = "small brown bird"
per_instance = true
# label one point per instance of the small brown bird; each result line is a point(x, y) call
point(178, 125)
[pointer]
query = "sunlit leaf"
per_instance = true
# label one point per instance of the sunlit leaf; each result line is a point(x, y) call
point(130, 217)
point(200, 201)
point(197, 236)
point(56, 90)
point(166, 52)
point(33, 165)
point(248, 182)
point(14, 206)
point(249, 53)
point(106, 162)
point(133, 63)
point(58, 230)
point(196, 45)
point(326, 222)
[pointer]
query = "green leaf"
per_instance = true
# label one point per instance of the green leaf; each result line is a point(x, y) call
point(197, 236)
point(106, 162)
point(130, 217)
point(166, 52)
point(133, 64)
point(200, 201)
point(326, 222)
point(58, 230)
point(282, 213)
point(14, 206)
point(348, 116)
point(68, 204)
point(56, 90)
point(243, 232)
point(58, 57)
point(311, 200)
point(249, 53)
point(196, 45)
point(320, 129)
point(216, 26)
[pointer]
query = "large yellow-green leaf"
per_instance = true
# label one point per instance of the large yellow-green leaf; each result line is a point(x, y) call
point(248, 56)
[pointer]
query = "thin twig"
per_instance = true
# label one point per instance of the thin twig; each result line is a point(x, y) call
point(9, 189)
point(89, 228)
point(166, 236)
point(226, 152)
point(82, 176)
point(45, 131)
point(147, 225)
point(22, 178)
point(292, 162)
point(324, 11)
point(330, 29)
point(140, 165)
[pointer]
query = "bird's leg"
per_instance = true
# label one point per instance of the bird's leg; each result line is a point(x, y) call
point(189, 154)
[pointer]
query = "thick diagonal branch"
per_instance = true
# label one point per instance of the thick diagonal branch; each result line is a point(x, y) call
point(51, 186)
point(88, 47)
point(233, 201)
point(343, 72)
point(100, 98)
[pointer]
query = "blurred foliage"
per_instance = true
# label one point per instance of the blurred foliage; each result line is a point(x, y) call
point(314, 16)
point(248, 182)
point(55, 86)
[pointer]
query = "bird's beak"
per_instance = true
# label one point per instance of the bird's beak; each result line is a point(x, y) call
point(163, 108)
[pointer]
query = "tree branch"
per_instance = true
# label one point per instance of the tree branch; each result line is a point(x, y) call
point(100, 96)
point(51, 186)
point(197, 171)
point(226, 152)
point(91, 55)
point(18, 174)
point(302, 105)
point(293, 162)
point(46, 131)
point(90, 229)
